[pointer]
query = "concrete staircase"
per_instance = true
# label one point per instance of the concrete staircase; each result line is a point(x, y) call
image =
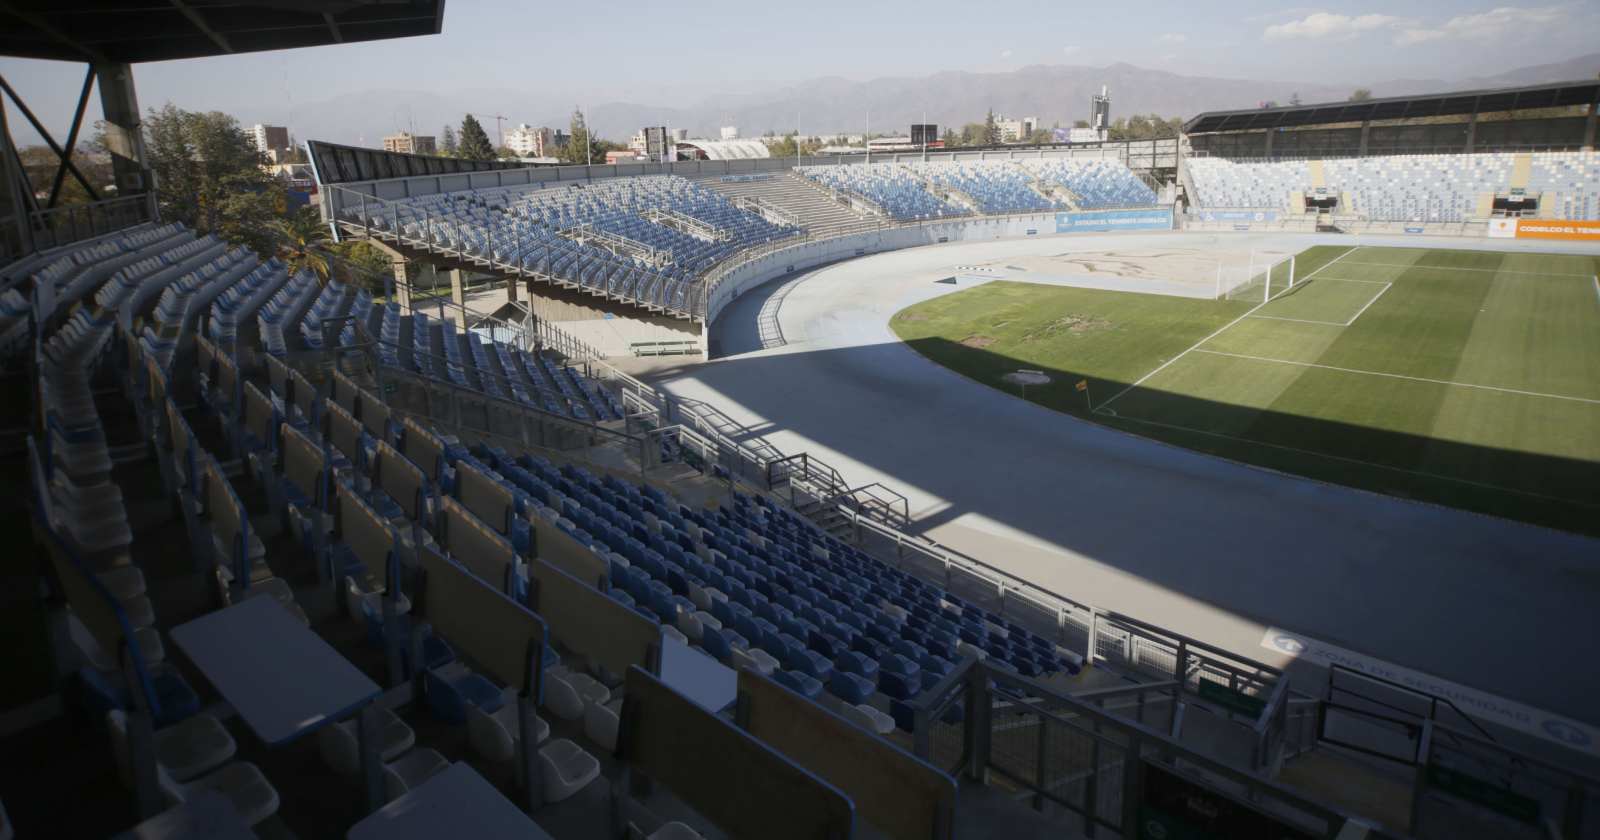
point(1319, 177)
point(1521, 171)
point(822, 216)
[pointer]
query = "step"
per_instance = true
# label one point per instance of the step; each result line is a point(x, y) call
point(1364, 786)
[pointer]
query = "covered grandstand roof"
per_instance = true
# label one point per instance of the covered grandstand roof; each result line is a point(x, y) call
point(1399, 107)
point(162, 30)
point(729, 149)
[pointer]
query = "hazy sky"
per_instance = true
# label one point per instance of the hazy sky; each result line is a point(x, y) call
point(672, 55)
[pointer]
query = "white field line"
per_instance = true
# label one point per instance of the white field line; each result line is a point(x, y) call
point(1374, 464)
point(1453, 268)
point(1354, 280)
point(1402, 376)
point(1344, 323)
point(1163, 366)
point(1597, 287)
point(1369, 304)
point(1302, 320)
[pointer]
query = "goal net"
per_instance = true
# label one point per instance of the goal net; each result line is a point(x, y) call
point(1261, 276)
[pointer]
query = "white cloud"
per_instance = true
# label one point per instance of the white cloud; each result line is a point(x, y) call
point(1495, 23)
point(1005, 53)
point(1071, 49)
point(1280, 14)
point(1329, 25)
point(1173, 38)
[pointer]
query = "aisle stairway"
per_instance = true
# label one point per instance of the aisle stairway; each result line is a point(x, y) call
point(824, 217)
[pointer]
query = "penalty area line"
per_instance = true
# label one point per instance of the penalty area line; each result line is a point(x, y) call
point(1224, 328)
point(1375, 297)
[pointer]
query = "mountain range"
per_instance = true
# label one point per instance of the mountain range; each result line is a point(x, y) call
point(1053, 93)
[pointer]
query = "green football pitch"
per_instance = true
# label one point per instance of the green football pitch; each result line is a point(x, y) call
point(1465, 378)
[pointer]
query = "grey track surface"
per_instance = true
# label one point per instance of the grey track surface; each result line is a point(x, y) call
point(1207, 547)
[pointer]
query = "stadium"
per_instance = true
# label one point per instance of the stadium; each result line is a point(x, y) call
point(1235, 485)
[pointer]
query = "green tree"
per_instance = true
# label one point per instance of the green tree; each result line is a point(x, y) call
point(582, 148)
point(1361, 95)
point(208, 175)
point(951, 138)
point(447, 142)
point(357, 261)
point(1040, 136)
point(1141, 127)
point(302, 243)
point(474, 142)
point(991, 131)
point(1080, 123)
point(974, 134)
point(39, 164)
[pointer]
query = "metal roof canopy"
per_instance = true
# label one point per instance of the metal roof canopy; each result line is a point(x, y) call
point(1399, 107)
point(114, 31)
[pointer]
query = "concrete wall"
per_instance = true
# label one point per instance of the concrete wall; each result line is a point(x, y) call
point(614, 336)
point(809, 254)
point(607, 326)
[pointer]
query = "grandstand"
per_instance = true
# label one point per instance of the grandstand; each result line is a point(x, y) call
point(317, 558)
point(1430, 160)
point(1421, 188)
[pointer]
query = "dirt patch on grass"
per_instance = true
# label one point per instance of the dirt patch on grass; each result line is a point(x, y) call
point(912, 317)
point(977, 341)
point(1069, 325)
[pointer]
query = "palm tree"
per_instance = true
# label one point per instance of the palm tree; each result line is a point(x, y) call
point(301, 240)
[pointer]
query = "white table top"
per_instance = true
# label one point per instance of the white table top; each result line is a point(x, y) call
point(283, 679)
point(705, 681)
point(208, 815)
point(455, 803)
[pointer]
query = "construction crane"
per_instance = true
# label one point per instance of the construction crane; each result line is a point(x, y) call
point(499, 130)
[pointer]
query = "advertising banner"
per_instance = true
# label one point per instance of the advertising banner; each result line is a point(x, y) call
point(1238, 215)
point(1102, 220)
point(1557, 229)
point(1502, 228)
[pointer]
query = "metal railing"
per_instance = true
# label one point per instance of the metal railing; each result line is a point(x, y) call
point(1086, 759)
point(767, 210)
point(1339, 152)
point(618, 244)
point(473, 413)
point(33, 231)
point(1463, 780)
point(685, 223)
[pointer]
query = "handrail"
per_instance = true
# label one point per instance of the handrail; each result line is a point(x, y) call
point(618, 244)
point(367, 340)
point(982, 684)
point(667, 217)
point(1434, 699)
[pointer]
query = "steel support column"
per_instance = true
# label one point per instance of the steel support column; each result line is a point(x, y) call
point(124, 137)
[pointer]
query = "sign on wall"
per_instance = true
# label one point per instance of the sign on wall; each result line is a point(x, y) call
point(1238, 215)
point(1502, 228)
point(1103, 220)
point(1556, 229)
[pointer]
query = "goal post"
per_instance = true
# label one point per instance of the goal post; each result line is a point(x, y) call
point(1258, 276)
